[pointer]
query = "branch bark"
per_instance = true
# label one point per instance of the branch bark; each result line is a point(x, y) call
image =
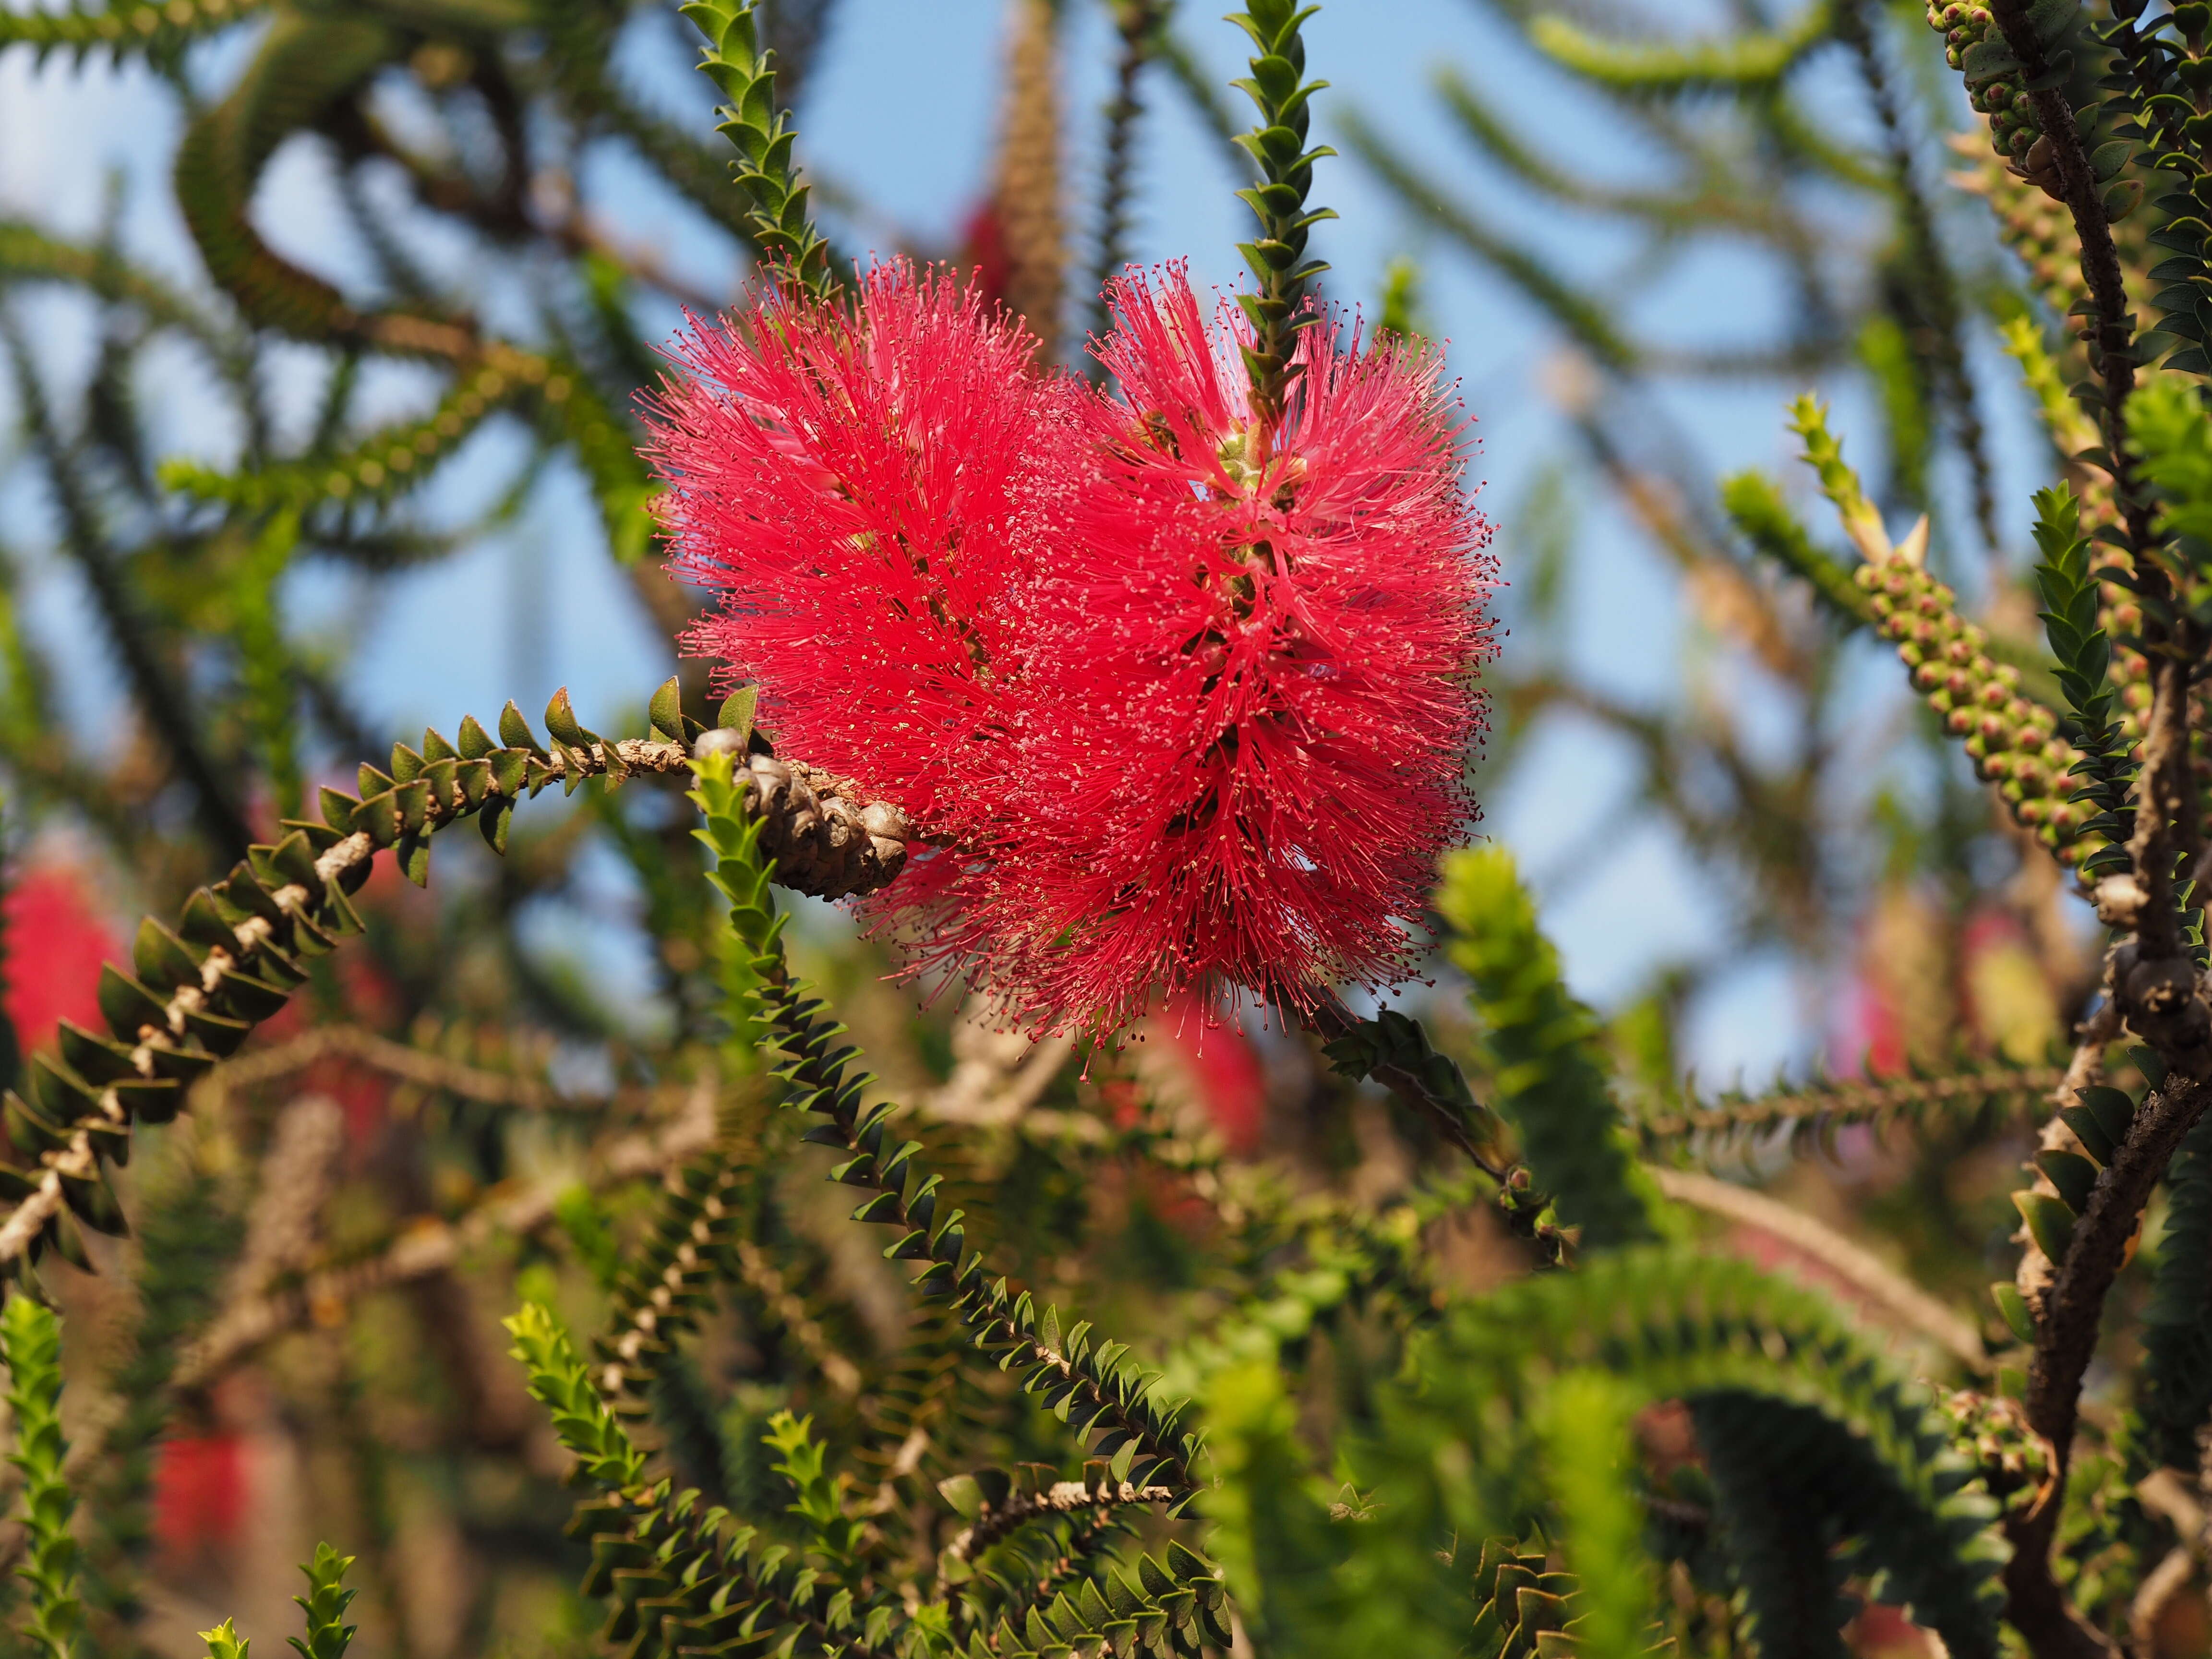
point(2114, 332)
point(2065, 1340)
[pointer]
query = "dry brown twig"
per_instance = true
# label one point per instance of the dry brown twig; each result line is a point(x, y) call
point(396, 1060)
point(1906, 1303)
point(998, 1074)
point(429, 1246)
point(827, 839)
point(995, 1521)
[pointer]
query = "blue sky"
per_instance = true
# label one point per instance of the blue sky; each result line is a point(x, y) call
point(902, 114)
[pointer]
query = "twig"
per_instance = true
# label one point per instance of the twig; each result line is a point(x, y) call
point(835, 871)
point(2101, 258)
point(2158, 1587)
point(2162, 1493)
point(1847, 1100)
point(996, 1075)
point(429, 1246)
point(1856, 1266)
point(296, 1171)
point(2065, 1340)
point(1061, 1497)
point(398, 1060)
point(1332, 1020)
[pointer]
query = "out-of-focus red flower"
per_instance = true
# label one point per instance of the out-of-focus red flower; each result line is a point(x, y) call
point(199, 1494)
point(855, 479)
point(1253, 675)
point(1224, 1067)
point(983, 254)
point(56, 940)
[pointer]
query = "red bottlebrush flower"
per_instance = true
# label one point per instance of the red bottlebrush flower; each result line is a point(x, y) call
point(854, 477)
point(1188, 696)
point(1252, 695)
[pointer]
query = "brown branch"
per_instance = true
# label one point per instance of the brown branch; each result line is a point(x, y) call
point(998, 1074)
point(1844, 1100)
point(2065, 1340)
point(396, 1060)
point(827, 839)
point(2114, 329)
point(2162, 1494)
point(429, 1246)
point(2159, 1588)
point(995, 1521)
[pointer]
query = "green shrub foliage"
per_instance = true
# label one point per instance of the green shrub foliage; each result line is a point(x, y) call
point(1001, 1353)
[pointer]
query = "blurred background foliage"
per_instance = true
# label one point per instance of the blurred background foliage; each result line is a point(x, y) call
point(382, 304)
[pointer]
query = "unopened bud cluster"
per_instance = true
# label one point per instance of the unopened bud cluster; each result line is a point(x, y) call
point(1528, 1216)
point(2014, 741)
point(2009, 107)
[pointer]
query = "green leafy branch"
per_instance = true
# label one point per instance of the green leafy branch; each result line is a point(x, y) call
point(124, 28)
point(1395, 1051)
point(2072, 597)
point(1746, 59)
point(241, 945)
point(1176, 1607)
point(1350, 1260)
point(1764, 519)
point(821, 1499)
point(753, 121)
point(2155, 97)
point(1816, 1108)
point(324, 1604)
point(1276, 257)
point(2013, 740)
point(679, 1577)
point(2173, 1395)
point(1543, 1054)
point(31, 1343)
point(1865, 1470)
point(1093, 1387)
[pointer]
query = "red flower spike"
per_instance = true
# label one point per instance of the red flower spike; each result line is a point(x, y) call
point(1187, 699)
point(853, 477)
point(1252, 695)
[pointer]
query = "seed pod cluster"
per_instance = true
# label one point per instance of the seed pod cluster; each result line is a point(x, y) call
point(826, 840)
